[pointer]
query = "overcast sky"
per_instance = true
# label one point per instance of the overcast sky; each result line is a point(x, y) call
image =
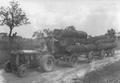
point(92, 16)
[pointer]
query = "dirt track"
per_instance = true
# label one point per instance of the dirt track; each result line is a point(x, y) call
point(60, 74)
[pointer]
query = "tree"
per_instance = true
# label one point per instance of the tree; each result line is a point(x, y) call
point(70, 28)
point(111, 32)
point(38, 34)
point(48, 32)
point(47, 36)
point(43, 33)
point(13, 16)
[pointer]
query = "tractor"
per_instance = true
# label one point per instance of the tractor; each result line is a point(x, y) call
point(23, 60)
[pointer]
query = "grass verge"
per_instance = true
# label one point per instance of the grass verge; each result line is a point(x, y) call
point(108, 74)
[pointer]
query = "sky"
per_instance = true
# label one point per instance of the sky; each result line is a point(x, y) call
point(91, 16)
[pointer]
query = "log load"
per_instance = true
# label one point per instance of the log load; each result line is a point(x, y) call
point(68, 39)
point(98, 45)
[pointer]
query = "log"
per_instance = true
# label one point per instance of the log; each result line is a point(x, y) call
point(106, 45)
point(90, 47)
point(76, 48)
point(108, 40)
point(71, 41)
point(95, 38)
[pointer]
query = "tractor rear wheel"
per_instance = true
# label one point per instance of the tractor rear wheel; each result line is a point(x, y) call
point(47, 63)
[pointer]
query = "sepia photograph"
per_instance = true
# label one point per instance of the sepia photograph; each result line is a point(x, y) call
point(59, 41)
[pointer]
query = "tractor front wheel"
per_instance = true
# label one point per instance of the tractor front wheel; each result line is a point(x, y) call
point(7, 67)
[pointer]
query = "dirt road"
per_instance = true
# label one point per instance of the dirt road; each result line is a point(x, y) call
point(60, 74)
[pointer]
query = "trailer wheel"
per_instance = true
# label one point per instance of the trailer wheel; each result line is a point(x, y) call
point(103, 54)
point(22, 71)
point(74, 61)
point(90, 56)
point(111, 52)
point(47, 63)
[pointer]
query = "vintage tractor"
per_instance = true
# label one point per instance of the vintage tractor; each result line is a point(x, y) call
point(22, 60)
point(67, 47)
